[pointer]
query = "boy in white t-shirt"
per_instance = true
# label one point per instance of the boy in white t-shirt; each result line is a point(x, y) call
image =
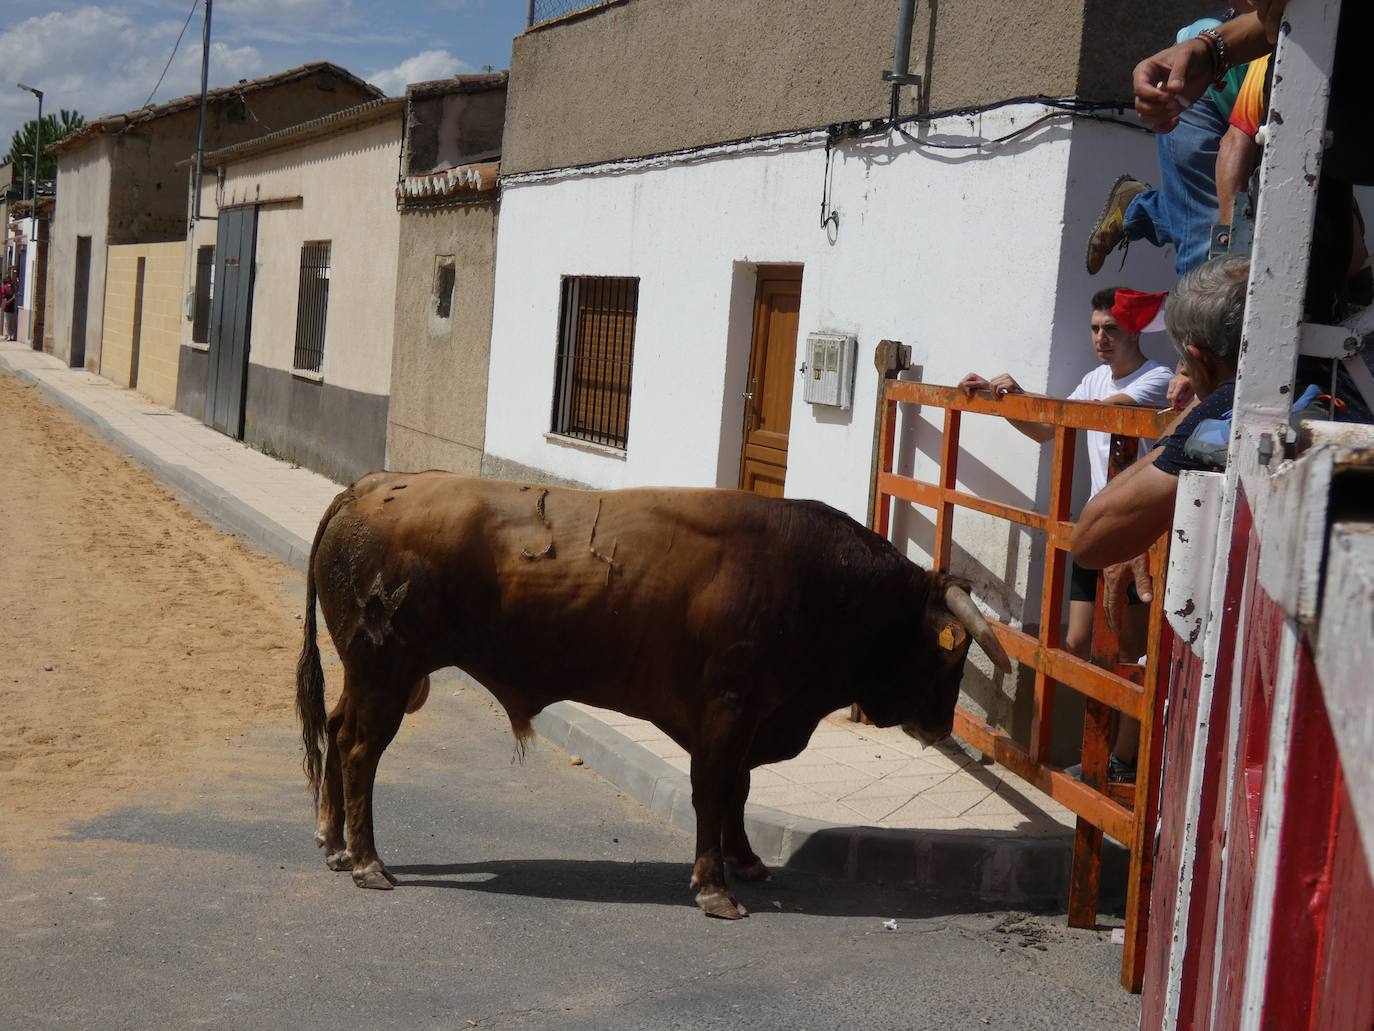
point(1125, 376)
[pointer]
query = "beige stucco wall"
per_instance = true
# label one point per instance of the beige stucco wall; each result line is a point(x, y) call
point(345, 183)
point(149, 189)
point(83, 189)
point(160, 320)
point(643, 76)
point(437, 416)
point(128, 188)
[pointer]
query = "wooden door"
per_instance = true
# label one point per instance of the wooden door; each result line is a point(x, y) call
point(772, 369)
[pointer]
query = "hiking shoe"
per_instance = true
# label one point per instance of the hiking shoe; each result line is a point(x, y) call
point(1110, 231)
point(1118, 772)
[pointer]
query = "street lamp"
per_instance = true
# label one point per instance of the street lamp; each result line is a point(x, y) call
point(37, 139)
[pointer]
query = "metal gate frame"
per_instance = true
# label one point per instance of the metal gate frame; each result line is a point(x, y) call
point(231, 310)
point(1124, 812)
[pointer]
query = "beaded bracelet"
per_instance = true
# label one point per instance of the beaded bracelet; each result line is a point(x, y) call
point(1217, 50)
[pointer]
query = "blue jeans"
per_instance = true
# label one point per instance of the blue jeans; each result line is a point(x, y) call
point(1182, 210)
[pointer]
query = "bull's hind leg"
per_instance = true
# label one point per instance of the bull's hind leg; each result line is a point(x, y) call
point(329, 829)
point(747, 866)
point(375, 715)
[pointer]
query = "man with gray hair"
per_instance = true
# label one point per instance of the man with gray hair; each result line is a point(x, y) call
point(1204, 314)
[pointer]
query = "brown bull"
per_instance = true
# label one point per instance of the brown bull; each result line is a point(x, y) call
point(732, 622)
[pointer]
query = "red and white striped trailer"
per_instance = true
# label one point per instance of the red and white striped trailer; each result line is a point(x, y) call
point(1262, 911)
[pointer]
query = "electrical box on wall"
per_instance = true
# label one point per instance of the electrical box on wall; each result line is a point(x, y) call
point(828, 371)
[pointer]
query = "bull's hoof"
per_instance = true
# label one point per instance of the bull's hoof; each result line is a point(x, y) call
point(339, 861)
point(753, 871)
point(720, 904)
point(374, 875)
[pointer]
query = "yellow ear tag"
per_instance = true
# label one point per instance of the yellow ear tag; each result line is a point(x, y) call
point(947, 638)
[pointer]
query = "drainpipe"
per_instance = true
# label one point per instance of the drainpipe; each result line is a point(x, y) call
point(900, 75)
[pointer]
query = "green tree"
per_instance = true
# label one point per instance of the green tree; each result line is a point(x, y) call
point(54, 128)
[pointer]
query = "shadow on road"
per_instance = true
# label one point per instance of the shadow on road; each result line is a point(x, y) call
point(659, 883)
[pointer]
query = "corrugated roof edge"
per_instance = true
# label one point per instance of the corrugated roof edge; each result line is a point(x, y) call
point(114, 123)
point(478, 83)
point(325, 125)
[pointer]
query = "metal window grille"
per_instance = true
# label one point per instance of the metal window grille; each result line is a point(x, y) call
point(312, 305)
point(596, 334)
point(548, 10)
point(205, 278)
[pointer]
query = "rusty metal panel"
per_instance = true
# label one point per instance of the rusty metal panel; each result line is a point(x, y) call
point(1125, 420)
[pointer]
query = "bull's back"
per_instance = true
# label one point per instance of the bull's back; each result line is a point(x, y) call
point(553, 582)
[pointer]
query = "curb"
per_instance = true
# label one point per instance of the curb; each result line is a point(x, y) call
point(1004, 867)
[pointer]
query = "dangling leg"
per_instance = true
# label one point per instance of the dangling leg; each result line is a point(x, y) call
point(747, 865)
point(329, 833)
point(376, 712)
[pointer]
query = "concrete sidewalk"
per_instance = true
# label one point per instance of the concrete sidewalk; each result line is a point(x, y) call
point(860, 802)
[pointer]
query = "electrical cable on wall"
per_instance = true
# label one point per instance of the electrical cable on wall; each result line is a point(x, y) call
point(1063, 107)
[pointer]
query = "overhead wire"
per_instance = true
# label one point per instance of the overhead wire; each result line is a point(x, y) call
point(173, 54)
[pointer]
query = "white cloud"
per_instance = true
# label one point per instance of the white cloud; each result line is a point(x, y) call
point(429, 64)
point(100, 60)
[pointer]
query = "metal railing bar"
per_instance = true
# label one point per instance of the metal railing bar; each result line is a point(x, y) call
point(1125, 420)
point(1115, 820)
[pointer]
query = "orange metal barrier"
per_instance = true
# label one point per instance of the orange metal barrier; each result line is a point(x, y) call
point(1124, 812)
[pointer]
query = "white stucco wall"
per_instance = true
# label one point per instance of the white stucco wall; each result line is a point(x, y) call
point(975, 260)
point(83, 184)
point(344, 185)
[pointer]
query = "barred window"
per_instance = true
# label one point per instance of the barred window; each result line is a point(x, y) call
point(205, 284)
point(312, 305)
point(596, 342)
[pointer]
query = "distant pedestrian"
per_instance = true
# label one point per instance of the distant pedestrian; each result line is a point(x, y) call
point(9, 297)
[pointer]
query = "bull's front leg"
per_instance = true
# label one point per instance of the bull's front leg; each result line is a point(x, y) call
point(746, 865)
point(717, 763)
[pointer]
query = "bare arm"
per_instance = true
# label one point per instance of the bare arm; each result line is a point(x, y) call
point(1270, 13)
point(1172, 79)
point(1235, 162)
point(1119, 399)
point(1001, 386)
point(1126, 516)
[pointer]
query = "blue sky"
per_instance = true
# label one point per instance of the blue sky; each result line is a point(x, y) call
point(105, 58)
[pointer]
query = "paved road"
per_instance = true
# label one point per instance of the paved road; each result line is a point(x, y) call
point(531, 896)
point(155, 832)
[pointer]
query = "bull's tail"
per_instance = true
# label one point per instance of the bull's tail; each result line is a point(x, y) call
point(309, 672)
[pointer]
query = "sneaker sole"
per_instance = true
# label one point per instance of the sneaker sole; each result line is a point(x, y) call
point(1097, 226)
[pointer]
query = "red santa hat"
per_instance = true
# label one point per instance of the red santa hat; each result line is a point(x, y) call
point(1139, 312)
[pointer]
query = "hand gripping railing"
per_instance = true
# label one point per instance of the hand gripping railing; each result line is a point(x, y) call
point(1123, 812)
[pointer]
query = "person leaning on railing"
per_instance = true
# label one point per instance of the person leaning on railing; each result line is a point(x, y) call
point(1204, 314)
point(1124, 375)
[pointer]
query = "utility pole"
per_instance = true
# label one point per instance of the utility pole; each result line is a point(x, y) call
point(200, 132)
point(37, 138)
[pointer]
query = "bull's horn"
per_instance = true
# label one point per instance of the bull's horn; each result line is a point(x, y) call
point(962, 607)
